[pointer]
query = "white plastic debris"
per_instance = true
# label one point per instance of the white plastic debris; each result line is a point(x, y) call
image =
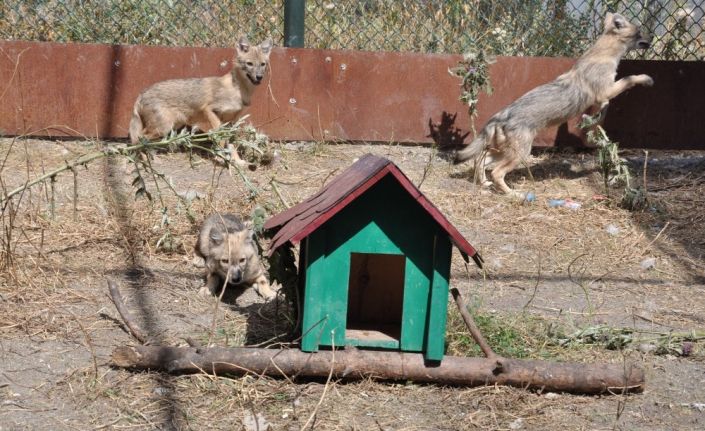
point(255, 423)
point(612, 229)
point(648, 263)
point(516, 424)
point(552, 396)
point(646, 347)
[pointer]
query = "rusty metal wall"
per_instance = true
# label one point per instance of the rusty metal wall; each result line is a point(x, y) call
point(85, 89)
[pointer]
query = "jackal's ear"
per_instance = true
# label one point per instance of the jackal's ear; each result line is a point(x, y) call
point(216, 237)
point(266, 46)
point(619, 21)
point(614, 20)
point(243, 45)
point(248, 234)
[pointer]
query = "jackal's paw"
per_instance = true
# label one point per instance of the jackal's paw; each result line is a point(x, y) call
point(487, 184)
point(205, 291)
point(265, 291)
point(237, 161)
point(646, 80)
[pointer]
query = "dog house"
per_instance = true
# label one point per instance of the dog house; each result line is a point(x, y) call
point(374, 261)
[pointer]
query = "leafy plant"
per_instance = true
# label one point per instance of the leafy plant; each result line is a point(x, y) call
point(613, 168)
point(150, 183)
point(503, 334)
point(473, 71)
point(662, 342)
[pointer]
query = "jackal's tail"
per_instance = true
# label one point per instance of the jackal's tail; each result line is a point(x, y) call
point(478, 145)
point(136, 125)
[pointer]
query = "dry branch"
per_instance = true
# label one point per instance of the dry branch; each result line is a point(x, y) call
point(191, 140)
point(125, 313)
point(360, 364)
point(472, 327)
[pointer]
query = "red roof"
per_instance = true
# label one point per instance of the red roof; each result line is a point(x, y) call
point(299, 221)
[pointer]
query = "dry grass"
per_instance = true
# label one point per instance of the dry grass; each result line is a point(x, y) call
point(549, 271)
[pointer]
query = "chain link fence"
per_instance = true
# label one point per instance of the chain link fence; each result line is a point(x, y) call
point(509, 27)
point(148, 22)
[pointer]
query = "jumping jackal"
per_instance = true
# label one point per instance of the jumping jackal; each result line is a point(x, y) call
point(506, 139)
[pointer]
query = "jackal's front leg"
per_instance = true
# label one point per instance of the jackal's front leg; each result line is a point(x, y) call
point(263, 288)
point(625, 84)
point(234, 156)
point(213, 282)
point(213, 122)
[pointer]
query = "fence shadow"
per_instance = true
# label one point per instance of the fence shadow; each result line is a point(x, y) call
point(266, 320)
point(138, 275)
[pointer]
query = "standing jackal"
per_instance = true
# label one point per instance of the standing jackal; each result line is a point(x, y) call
point(204, 103)
point(506, 139)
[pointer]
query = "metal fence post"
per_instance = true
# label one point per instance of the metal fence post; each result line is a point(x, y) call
point(294, 11)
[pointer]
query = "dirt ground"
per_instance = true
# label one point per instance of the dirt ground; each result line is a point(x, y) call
point(571, 269)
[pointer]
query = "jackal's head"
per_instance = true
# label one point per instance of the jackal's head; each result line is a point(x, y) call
point(625, 32)
point(252, 61)
point(230, 253)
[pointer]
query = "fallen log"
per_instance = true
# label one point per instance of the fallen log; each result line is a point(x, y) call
point(357, 364)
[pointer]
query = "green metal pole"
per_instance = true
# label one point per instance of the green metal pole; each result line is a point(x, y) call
point(294, 11)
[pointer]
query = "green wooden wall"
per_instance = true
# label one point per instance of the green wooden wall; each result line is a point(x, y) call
point(385, 219)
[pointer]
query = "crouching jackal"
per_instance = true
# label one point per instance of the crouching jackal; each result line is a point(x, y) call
point(231, 256)
point(203, 103)
point(506, 139)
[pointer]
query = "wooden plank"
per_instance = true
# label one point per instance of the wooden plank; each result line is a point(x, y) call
point(313, 324)
point(438, 303)
point(371, 338)
point(325, 296)
point(374, 334)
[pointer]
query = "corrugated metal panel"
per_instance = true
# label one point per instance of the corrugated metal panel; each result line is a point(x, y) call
point(85, 89)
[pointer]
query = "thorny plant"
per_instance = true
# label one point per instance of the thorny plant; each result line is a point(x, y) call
point(662, 342)
point(474, 73)
point(150, 183)
point(613, 168)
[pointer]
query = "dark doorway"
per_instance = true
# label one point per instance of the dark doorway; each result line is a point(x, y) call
point(375, 298)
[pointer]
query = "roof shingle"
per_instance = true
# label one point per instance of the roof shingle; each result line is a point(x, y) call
point(299, 221)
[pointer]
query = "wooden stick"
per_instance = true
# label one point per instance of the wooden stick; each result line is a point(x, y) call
point(135, 330)
point(470, 323)
point(361, 364)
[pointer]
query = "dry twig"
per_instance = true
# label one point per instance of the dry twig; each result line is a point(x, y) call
point(135, 330)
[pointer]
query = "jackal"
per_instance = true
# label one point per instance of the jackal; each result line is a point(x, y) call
point(506, 139)
point(203, 103)
point(231, 256)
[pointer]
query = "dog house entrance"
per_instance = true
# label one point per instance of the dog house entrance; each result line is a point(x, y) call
point(375, 299)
